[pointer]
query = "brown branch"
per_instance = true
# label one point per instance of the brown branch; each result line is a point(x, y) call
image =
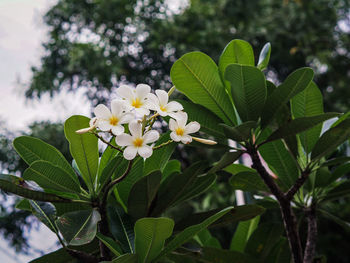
point(297, 185)
point(310, 247)
point(108, 143)
point(288, 216)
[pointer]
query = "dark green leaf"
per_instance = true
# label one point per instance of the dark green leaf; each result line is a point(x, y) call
point(331, 139)
point(171, 167)
point(226, 160)
point(46, 213)
point(216, 255)
point(336, 161)
point(205, 239)
point(108, 154)
point(264, 56)
point(150, 236)
point(295, 83)
point(126, 258)
point(142, 194)
point(243, 233)
point(339, 221)
point(196, 75)
point(241, 132)
point(248, 181)
point(342, 189)
point(110, 169)
point(79, 227)
point(110, 243)
point(83, 147)
point(248, 90)
point(280, 252)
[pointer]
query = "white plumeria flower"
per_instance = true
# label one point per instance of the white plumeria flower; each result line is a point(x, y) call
point(136, 98)
point(136, 142)
point(181, 131)
point(161, 105)
point(112, 120)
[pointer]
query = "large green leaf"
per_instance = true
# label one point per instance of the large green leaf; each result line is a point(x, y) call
point(108, 154)
point(32, 149)
point(248, 90)
point(110, 169)
point(331, 139)
point(62, 208)
point(339, 172)
point(191, 231)
point(308, 103)
point(295, 83)
point(248, 181)
point(264, 57)
point(239, 213)
point(237, 51)
point(150, 236)
point(180, 187)
point(196, 75)
point(142, 194)
point(83, 147)
point(263, 240)
point(217, 255)
point(227, 159)
point(171, 167)
point(18, 186)
point(241, 132)
point(110, 243)
point(243, 233)
point(205, 238)
point(126, 258)
point(50, 176)
point(79, 227)
point(209, 121)
point(335, 219)
point(299, 125)
point(160, 156)
point(46, 213)
point(122, 227)
point(341, 189)
point(280, 252)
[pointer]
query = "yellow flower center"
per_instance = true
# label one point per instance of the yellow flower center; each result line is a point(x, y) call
point(136, 103)
point(113, 120)
point(138, 142)
point(180, 131)
point(162, 108)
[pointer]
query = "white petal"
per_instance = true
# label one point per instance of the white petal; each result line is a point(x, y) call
point(117, 130)
point(130, 152)
point(153, 98)
point(152, 103)
point(142, 91)
point(124, 140)
point(181, 118)
point(142, 111)
point(186, 139)
point(174, 137)
point(117, 107)
point(172, 125)
point(162, 96)
point(126, 92)
point(135, 128)
point(126, 118)
point(192, 127)
point(174, 106)
point(104, 125)
point(145, 151)
point(93, 122)
point(150, 136)
point(102, 112)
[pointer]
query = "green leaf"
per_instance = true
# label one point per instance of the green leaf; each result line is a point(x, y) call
point(241, 132)
point(196, 75)
point(236, 168)
point(239, 213)
point(18, 186)
point(83, 147)
point(79, 227)
point(191, 231)
point(171, 167)
point(342, 189)
point(32, 149)
point(110, 243)
point(335, 219)
point(108, 154)
point(209, 121)
point(121, 226)
point(142, 194)
point(243, 233)
point(248, 90)
point(150, 236)
point(263, 239)
point(62, 208)
point(299, 125)
point(248, 181)
point(264, 56)
point(295, 83)
point(126, 258)
point(280, 252)
point(336, 161)
point(46, 213)
point(205, 239)
point(50, 176)
point(339, 172)
point(180, 187)
point(24, 204)
point(161, 156)
point(308, 103)
point(216, 255)
point(110, 169)
point(226, 160)
point(331, 139)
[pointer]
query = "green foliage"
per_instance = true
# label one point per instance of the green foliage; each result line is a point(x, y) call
point(240, 132)
point(264, 57)
point(242, 234)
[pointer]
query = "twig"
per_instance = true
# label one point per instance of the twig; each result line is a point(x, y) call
point(162, 145)
point(108, 143)
point(310, 247)
point(297, 185)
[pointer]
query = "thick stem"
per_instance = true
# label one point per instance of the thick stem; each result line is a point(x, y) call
point(288, 216)
point(310, 247)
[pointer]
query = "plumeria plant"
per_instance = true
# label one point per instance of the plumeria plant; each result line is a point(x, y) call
point(114, 206)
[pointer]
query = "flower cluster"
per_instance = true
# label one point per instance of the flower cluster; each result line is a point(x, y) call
point(138, 108)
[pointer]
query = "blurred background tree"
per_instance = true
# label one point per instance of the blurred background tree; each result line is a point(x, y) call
point(96, 45)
